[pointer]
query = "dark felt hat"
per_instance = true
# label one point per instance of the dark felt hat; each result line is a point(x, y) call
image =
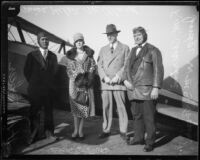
point(111, 28)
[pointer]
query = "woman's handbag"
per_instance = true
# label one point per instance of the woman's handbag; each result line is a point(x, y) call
point(84, 80)
point(81, 81)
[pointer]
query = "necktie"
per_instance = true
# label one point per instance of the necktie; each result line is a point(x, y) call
point(45, 54)
point(112, 49)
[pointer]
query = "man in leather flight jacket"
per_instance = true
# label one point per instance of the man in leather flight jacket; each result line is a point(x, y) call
point(144, 75)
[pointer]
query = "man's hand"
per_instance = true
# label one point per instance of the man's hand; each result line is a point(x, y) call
point(115, 80)
point(128, 85)
point(154, 93)
point(107, 80)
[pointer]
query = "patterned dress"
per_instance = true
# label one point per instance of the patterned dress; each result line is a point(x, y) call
point(74, 67)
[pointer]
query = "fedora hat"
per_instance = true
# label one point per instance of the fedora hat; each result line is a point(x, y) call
point(111, 28)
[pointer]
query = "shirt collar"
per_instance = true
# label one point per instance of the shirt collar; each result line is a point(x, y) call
point(114, 45)
point(42, 50)
point(142, 45)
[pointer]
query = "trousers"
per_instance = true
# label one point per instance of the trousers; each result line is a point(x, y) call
point(143, 112)
point(107, 99)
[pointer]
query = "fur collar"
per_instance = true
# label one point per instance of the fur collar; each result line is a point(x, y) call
point(72, 52)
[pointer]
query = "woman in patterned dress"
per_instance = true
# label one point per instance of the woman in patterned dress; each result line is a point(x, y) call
point(80, 66)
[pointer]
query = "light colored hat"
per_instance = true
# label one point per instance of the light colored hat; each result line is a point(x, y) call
point(78, 36)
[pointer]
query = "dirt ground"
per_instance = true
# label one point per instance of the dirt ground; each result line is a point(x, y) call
point(169, 140)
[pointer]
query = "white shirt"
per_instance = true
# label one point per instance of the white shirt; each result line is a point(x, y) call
point(44, 52)
point(139, 49)
point(114, 45)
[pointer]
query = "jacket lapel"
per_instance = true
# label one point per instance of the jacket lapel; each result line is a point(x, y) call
point(38, 56)
point(137, 60)
point(142, 52)
point(117, 51)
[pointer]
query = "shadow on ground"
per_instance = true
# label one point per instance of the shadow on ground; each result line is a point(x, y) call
point(169, 132)
point(170, 128)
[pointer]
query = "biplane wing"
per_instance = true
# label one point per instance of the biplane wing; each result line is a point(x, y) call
point(21, 23)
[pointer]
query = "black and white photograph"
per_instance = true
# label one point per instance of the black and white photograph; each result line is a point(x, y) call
point(100, 79)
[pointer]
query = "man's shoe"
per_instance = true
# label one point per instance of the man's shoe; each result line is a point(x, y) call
point(148, 148)
point(49, 135)
point(134, 142)
point(81, 138)
point(104, 135)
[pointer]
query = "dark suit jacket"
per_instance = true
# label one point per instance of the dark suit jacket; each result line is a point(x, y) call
point(40, 73)
point(144, 71)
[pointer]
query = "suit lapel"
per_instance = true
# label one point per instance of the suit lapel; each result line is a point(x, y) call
point(132, 62)
point(138, 59)
point(38, 56)
point(142, 52)
point(116, 52)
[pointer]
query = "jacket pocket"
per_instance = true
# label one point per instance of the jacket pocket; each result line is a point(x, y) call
point(147, 60)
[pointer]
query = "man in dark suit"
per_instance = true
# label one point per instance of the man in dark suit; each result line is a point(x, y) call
point(40, 69)
point(144, 71)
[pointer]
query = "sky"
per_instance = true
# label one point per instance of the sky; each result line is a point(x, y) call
point(173, 29)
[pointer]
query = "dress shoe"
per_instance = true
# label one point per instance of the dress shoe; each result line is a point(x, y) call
point(74, 137)
point(81, 138)
point(104, 135)
point(148, 148)
point(49, 135)
point(134, 142)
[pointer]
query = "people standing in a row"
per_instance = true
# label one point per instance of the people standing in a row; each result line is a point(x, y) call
point(144, 71)
point(39, 70)
point(139, 72)
point(80, 67)
point(111, 62)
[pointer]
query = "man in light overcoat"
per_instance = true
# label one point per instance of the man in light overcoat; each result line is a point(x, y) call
point(111, 62)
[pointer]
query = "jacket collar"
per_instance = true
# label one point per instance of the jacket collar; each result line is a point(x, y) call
point(72, 52)
point(38, 56)
point(114, 45)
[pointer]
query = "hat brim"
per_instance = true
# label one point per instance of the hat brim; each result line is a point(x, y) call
point(112, 32)
point(78, 40)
